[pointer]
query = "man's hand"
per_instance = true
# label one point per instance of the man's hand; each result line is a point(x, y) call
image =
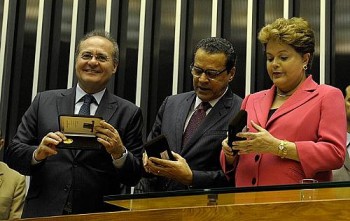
point(47, 146)
point(227, 150)
point(109, 137)
point(176, 170)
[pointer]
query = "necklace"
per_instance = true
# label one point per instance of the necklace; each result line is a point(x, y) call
point(283, 95)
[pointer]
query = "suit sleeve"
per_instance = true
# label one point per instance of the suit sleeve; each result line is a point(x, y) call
point(205, 179)
point(18, 154)
point(157, 126)
point(132, 139)
point(156, 131)
point(329, 151)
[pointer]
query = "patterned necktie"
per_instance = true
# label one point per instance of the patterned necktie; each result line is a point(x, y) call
point(85, 108)
point(195, 121)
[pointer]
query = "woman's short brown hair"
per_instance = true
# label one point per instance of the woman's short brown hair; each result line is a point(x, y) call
point(295, 32)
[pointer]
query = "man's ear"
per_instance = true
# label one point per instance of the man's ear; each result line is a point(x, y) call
point(232, 73)
point(115, 68)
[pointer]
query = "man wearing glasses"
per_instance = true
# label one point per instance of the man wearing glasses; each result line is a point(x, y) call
point(195, 123)
point(73, 181)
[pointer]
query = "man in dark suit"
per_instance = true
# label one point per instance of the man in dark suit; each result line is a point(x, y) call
point(65, 181)
point(197, 154)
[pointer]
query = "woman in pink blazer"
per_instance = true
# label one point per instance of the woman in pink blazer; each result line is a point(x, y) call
point(297, 128)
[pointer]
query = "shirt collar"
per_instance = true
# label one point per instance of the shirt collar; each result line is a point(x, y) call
point(212, 102)
point(80, 93)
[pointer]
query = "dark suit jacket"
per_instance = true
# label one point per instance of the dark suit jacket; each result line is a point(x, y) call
point(89, 174)
point(203, 149)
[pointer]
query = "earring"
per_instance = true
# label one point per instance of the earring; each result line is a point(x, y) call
point(305, 67)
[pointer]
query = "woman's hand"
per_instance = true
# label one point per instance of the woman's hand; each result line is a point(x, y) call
point(256, 142)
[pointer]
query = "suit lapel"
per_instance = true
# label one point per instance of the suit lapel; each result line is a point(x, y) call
point(262, 106)
point(107, 106)
point(65, 106)
point(66, 103)
point(218, 111)
point(181, 120)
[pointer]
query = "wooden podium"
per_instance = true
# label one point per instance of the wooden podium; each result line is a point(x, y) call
point(322, 203)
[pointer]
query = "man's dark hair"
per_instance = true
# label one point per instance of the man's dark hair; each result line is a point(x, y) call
point(103, 34)
point(214, 45)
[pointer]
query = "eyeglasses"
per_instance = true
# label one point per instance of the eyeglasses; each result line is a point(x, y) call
point(100, 57)
point(211, 74)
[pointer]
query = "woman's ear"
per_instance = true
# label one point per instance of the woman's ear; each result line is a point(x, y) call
point(306, 58)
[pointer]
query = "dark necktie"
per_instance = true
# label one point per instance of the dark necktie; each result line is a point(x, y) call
point(196, 119)
point(85, 108)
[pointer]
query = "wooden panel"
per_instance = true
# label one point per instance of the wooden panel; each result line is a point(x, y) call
point(329, 204)
point(233, 198)
point(309, 210)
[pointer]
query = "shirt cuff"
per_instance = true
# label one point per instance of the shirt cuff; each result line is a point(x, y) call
point(34, 161)
point(119, 163)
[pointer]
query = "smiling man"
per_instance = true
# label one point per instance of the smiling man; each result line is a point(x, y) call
point(196, 143)
point(66, 181)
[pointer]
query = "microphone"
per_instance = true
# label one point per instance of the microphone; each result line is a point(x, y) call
point(236, 125)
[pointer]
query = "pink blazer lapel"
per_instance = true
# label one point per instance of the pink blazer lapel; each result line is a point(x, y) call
point(262, 107)
point(302, 95)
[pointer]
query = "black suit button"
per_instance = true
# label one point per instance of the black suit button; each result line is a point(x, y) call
point(254, 181)
point(67, 187)
point(257, 157)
